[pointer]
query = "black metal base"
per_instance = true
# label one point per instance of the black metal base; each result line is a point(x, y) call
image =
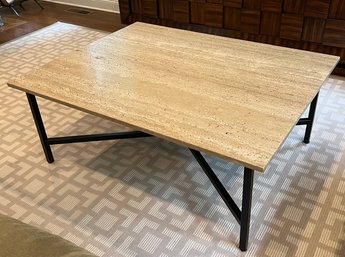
point(47, 142)
point(309, 120)
point(242, 216)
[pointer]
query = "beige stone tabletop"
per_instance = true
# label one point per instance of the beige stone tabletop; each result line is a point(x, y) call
point(231, 98)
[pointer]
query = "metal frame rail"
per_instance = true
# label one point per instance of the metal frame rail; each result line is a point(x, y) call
point(242, 216)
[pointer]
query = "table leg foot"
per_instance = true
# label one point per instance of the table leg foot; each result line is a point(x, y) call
point(246, 208)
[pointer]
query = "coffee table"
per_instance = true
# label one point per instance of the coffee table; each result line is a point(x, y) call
point(234, 99)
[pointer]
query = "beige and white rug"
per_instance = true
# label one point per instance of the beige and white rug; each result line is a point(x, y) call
point(148, 197)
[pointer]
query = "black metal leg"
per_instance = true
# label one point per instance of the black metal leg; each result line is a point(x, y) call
point(242, 216)
point(40, 127)
point(311, 116)
point(218, 185)
point(46, 142)
point(246, 207)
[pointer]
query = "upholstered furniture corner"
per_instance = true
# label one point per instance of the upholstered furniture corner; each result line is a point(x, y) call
point(18, 239)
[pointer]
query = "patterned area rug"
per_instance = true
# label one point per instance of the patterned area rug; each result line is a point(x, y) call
point(149, 197)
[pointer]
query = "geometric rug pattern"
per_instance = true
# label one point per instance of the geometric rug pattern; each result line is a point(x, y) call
point(149, 197)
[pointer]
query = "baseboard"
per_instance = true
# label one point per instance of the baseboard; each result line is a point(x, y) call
point(103, 5)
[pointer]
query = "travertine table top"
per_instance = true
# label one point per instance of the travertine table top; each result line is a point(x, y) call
point(235, 99)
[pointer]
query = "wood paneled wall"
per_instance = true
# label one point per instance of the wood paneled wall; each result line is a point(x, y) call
point(316, 25)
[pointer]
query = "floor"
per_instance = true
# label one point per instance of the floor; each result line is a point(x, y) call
point(33, 18)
